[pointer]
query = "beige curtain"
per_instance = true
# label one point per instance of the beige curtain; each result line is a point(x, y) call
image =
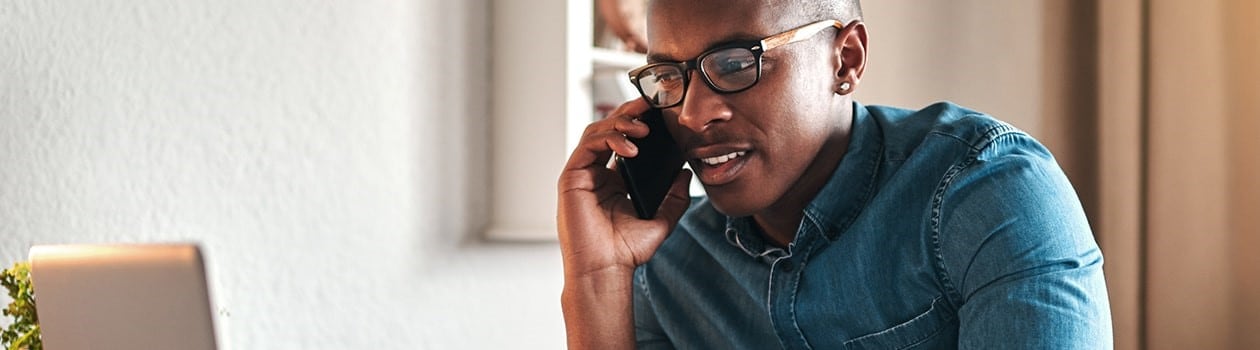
point(1202, 153)
point(1166, 155)
point(1242, 59)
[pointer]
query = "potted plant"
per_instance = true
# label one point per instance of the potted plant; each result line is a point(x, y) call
point(23, 331)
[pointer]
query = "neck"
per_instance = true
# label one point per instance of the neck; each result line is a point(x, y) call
point(779, 222)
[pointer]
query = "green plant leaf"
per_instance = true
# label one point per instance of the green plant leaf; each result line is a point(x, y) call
point(23, 332)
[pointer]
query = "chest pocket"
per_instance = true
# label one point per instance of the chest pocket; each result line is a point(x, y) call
point(929, 330)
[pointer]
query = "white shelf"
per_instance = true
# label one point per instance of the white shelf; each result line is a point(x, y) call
point(603, 58)
point(544, 70)
point(541, 69)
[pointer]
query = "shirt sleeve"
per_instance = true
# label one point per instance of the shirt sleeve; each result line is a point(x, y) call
point(1018, 255)
point(648, 333)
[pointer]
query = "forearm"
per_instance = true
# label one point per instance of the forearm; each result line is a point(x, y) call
point(598, 309)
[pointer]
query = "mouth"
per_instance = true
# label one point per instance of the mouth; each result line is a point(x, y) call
point(716, 161)
point(720, 168)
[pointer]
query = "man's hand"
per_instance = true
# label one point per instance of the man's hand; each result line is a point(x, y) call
point(599, 230)
point(601, 238)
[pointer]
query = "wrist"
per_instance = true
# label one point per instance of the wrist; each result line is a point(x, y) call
point(596, 265)
point(608, 279)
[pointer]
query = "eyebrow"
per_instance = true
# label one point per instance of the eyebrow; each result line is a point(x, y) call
point(654, 57)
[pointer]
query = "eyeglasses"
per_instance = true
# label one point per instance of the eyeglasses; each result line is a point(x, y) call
point(727, 69)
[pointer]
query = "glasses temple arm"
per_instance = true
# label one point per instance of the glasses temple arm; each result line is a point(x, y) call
point(798, 34)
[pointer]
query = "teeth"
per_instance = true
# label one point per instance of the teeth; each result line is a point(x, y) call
point(722, 158)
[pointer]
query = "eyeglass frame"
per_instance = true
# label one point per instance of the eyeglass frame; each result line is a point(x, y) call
point(757, 47)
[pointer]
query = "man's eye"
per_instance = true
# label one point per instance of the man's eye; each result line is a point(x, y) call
point(733, 65)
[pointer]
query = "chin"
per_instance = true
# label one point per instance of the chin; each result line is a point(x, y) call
point(734, 203)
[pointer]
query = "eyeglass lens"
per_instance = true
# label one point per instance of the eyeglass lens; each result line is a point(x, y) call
point(725, 70)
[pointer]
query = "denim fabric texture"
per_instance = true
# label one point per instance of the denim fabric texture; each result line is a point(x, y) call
point(941, 228)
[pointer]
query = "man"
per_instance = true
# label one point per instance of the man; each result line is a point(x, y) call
point(827, 224)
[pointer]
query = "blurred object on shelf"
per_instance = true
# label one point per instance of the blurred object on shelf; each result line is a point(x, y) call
point(610, 87)
point(621, 25)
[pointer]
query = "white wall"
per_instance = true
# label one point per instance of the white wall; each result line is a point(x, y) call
point(329, 155)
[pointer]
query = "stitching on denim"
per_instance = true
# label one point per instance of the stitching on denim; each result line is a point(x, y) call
point(812, 218)
point(796, 287)
point(941, 274)
point(946, 320)
point(983, 141)
point(641, 275)
point(984, 138)
point(732, 238)
point(770, 296)
point(770, 287)
point(867, 193)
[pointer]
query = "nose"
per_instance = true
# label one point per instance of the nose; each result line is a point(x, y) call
point(702, 107)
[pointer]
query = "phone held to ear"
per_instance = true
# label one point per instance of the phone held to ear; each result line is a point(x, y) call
point(649, 175)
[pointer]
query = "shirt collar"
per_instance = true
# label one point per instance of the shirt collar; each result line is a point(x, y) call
point(851, 186)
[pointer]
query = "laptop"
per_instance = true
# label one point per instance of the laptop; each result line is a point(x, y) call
point(122, 297)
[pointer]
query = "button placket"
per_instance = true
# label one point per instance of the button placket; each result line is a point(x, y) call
point(785, 275)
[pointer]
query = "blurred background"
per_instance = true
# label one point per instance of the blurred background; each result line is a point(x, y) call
point(381, 173)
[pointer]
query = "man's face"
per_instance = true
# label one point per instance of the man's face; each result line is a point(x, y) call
point(748, 148)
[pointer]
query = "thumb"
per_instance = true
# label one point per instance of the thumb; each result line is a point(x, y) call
point(677, 201)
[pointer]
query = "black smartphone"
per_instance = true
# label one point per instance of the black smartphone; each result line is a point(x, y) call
point(649, 175)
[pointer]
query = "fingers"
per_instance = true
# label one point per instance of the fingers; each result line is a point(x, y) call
point(633, 107)
point(677, 201)
point(596, 146)
point(625, 118)
point(647, 239)
point(609, 135)
point(632, 127)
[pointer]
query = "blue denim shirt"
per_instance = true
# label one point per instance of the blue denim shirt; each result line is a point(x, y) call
point(941, 228)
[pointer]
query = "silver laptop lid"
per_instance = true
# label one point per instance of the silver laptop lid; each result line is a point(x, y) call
point(122, 297)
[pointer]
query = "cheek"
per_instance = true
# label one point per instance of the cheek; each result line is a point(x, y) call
point(801, 88)
point(800, 118)
point(801, 111)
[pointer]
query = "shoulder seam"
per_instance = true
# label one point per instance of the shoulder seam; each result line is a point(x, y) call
point(976, 146)
point(983, 139)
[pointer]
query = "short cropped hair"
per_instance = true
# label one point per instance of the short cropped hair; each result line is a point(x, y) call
point(817, 10)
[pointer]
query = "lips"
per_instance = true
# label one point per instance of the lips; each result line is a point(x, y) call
point(719, 164)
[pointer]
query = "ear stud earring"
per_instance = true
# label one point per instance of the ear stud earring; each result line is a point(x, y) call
point(845, 86)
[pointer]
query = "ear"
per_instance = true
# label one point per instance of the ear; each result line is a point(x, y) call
point(849, 57)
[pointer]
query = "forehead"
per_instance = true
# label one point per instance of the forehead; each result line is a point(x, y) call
point(681, 29)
